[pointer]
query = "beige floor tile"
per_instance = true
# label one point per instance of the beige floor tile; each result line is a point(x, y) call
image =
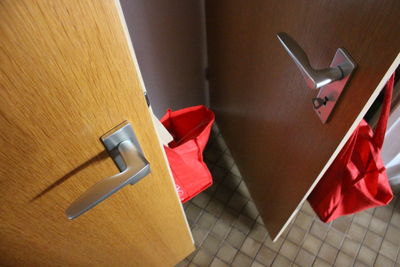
point(206, 220)
point(257, 264)
point(382, 261)
point(320, 263)
point(304, 258)
point(275, 246)
point(384, 213)
point(221, 228)
point(373, 241)
point(220, 142)
point(201, 200)
point(229, 215)
point(356, 232)
point(366, 255)
point(389, 250)
point(202, 258)
point(243, 223)
point(296, 235)
point(395, 218)
point(236, 238)
point(342, 224)
point(319, 229)
point(378, 226)
point(260, 220)
point(227, 252)
point(328, 253)
point(250, 210)
point(286, 231)
point(235, 170)
point(308, 209)
point(199, 234)
point(258, 232)
point(266, 256)
point(250, 247)
point(193, 212)
point(226, 162)
point(289, 250)
point(242, 189)
point(303, 220)
point(371, 211)
point(183, 263)
point(211, 243)
point(215, 208)
point(334, 238)
point(343, 260)
point(218, 263)
point(237, 202)
point(232, 181)
point(191, 255)
point(242, 260)
point(363, 218)
point(359, 264)
point(281, 261)
point(350, 247)
point(312, 244)
point(393, 235)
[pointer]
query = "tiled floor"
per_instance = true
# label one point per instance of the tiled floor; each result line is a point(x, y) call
point(229, 232)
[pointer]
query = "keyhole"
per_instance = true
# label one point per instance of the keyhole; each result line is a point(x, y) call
point(319, 102)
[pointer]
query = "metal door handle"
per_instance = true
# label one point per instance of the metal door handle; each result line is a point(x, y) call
point(314, 78)
point(131, 162)
point(331, 80)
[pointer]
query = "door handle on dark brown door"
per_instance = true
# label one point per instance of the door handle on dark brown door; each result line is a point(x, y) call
point(331, 80)
point(314, 78)
point(125, 150)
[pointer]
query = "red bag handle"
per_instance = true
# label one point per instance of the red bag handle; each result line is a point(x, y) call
point(380, 130)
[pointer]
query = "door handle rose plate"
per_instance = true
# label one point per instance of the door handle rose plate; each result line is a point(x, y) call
point(330, 81)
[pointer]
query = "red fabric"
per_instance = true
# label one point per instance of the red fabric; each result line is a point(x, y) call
point(357, 178)
point(190, 128)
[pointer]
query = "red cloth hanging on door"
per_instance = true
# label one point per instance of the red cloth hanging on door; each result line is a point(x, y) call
point(357, 178)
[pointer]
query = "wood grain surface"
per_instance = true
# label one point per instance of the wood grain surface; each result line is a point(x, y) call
point(67, 76)
point(262, 103)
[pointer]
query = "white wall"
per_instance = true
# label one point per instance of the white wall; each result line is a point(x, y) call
point(391, 147)
point(170, 44)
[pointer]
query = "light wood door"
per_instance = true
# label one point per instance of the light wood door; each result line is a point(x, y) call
point(262, 103)
point(67, 76)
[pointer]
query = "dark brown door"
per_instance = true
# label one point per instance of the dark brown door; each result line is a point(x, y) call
point(262, 103)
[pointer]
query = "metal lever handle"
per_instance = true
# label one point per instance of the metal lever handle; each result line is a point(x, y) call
point(136, 167)
point(314, 78)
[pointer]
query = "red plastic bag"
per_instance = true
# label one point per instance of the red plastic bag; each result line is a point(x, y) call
point(190, 128)
point(357, 178)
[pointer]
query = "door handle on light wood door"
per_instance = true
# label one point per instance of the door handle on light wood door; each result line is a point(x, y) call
point(123, 147)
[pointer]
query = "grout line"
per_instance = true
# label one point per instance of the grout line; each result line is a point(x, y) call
point(231, 224)
point(398, 250)
point(234, 191)
point(363, 239)
point(240, 212)
point(384, 235)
